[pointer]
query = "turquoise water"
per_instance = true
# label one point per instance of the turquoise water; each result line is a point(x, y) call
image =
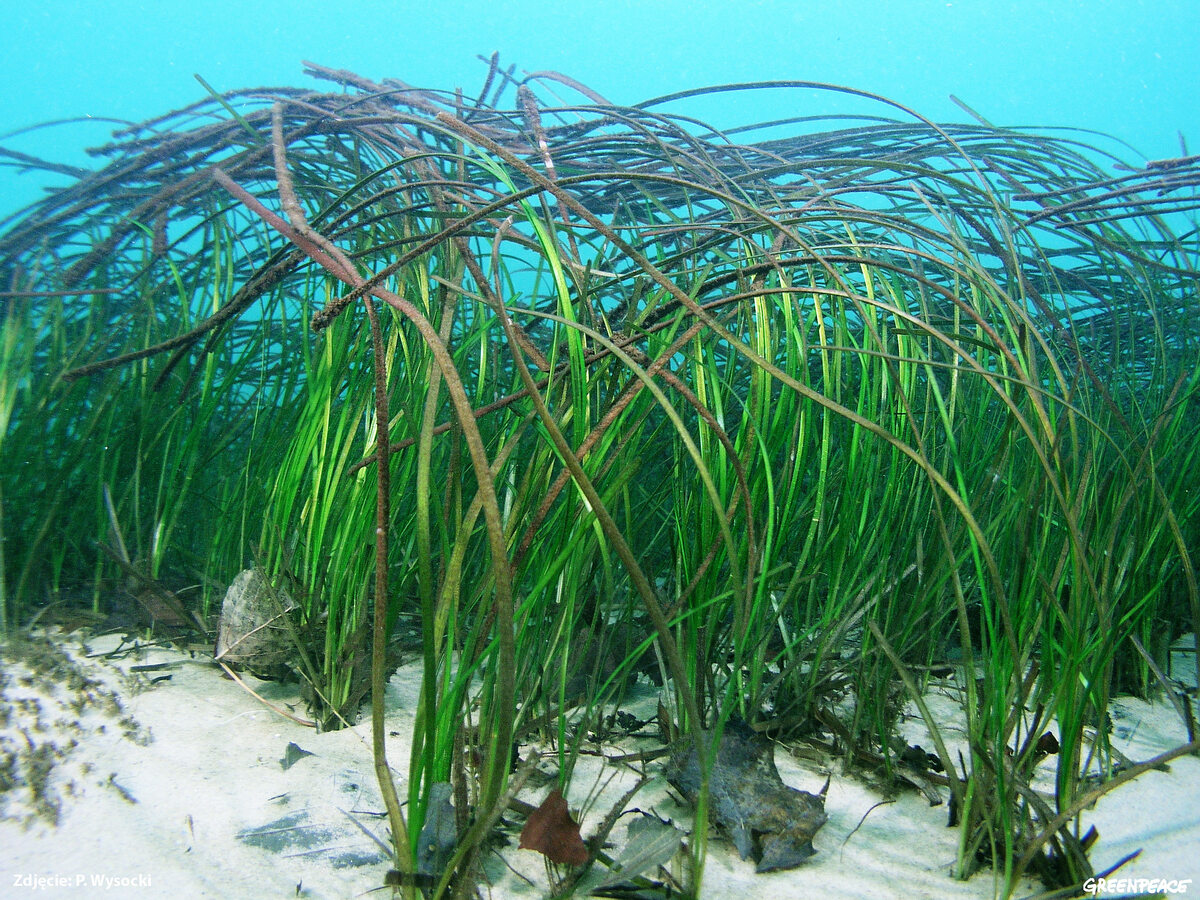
point(1125, 67)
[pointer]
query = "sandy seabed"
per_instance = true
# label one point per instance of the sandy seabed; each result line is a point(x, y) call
point(124, 782)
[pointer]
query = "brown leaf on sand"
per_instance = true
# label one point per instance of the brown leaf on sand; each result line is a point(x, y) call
point(551, 830)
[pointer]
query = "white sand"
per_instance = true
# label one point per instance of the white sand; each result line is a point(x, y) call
point(193, 801)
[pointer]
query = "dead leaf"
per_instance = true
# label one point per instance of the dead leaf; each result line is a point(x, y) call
point(768, 820)
point(651, 843)
point(439, 834)
point(551, 830)
point(1047, 744)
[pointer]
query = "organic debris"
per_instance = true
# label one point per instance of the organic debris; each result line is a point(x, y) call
point(292, 755)
point(439, 834)
point(160, 605)
point(766, 818)
point(550, 830)
point(651, 845)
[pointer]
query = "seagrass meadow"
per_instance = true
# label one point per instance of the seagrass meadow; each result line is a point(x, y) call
point(560, 395)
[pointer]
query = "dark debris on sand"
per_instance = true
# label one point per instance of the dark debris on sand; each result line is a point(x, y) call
point(767, 819)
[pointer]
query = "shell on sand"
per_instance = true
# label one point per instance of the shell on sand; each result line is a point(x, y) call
point(252, 631)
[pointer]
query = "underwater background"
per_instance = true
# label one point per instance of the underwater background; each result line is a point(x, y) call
point(782, 404)
point(1125, 67)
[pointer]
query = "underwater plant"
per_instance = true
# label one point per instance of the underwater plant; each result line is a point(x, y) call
point(782, 413)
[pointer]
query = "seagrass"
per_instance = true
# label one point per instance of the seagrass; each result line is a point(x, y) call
point(808, 407)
